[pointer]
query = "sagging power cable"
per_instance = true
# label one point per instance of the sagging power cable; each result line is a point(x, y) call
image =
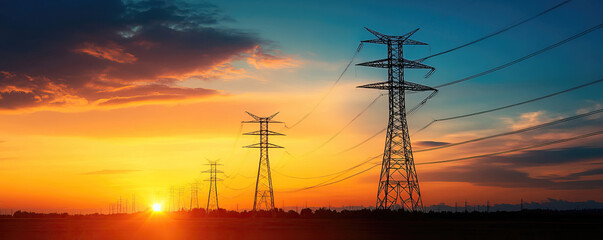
point(495, 33)
point(375, 164)
point(514, 132)
point(339, 173)
point(412, 110)
point(515, 149)
point(510, 105)
point(330, 89)
point(524, 57)
point(345, 126)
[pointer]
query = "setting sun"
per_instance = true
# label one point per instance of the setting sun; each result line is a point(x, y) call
point(156, 207)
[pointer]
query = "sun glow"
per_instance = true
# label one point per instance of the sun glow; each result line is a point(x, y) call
point(156, 207)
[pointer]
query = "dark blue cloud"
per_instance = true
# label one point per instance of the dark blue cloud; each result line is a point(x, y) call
point(549, 157)
point(430, 143)
point(55, 51)
point(504, 171)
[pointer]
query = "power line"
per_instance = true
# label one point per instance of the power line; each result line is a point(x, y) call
point(422, 59)
point(238, 189)
point(339, 173)
point(415, 108)
point(412, 110)
point(495, 33)
point(523, 58)
point(515, 149)
point(510, 105)
point(326, 183)
point(340, 180)
point(363, 142)
point(330, 89)
point(345, 126)
point(514, 132)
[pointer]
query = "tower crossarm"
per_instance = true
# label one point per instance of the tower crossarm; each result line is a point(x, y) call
point(213, 179)
point(406, 86)
point(405, 42)
point(384, 38)
point(259, 145)
point(268, 121)
point(264, 132)
point(385, 63)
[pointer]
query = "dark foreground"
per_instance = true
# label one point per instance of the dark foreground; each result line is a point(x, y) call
point(162, 226)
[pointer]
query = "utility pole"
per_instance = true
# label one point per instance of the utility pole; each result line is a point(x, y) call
point(264, 196)
point(398, 183)
point(212, 199)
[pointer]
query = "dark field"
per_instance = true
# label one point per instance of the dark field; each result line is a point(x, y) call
point(164, 227)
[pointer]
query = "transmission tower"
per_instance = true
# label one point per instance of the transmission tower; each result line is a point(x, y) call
point(194, 196)
point(398, 183)
point(172, 203)
point(212, 199)
point(181, 198)
point(264, 197)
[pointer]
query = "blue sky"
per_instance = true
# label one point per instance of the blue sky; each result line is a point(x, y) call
point(330, 31)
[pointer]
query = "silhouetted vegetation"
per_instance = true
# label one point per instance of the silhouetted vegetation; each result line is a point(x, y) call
point(325, 213)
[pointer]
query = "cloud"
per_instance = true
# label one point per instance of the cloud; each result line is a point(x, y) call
point(110, 172)
point(99, 52)
point(549, 157)
point(262, 59)
point(527, 120)
point(430, 143)
point(574, 176)
point(503, 171)
point(500, 176)
point(113, 52)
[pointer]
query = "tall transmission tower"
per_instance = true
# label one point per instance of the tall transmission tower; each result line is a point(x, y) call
point(398, 182)
point(212, 199)
point(194, 196)
point(264, 196)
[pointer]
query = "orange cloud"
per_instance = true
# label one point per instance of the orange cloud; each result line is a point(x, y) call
point(260, 59)
point(112, 52)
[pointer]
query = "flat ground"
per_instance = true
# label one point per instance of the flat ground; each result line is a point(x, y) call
point(164, 227)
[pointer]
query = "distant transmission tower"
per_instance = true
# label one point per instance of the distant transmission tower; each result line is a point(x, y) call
point(212, 199)
point(194, 196)
point(172, 202)
point(398, 183)
point(181, 198)
point(264, 197)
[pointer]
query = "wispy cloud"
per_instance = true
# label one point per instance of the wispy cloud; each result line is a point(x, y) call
point(273, 59)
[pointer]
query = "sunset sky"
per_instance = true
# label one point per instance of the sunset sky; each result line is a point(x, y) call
point(103, 98)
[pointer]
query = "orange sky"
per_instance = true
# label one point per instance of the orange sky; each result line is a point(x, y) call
point(113, 104)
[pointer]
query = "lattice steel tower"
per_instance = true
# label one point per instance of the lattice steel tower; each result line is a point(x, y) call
point(212, 199)
point(264, 197)
point(194, 196)
point(398, 183)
